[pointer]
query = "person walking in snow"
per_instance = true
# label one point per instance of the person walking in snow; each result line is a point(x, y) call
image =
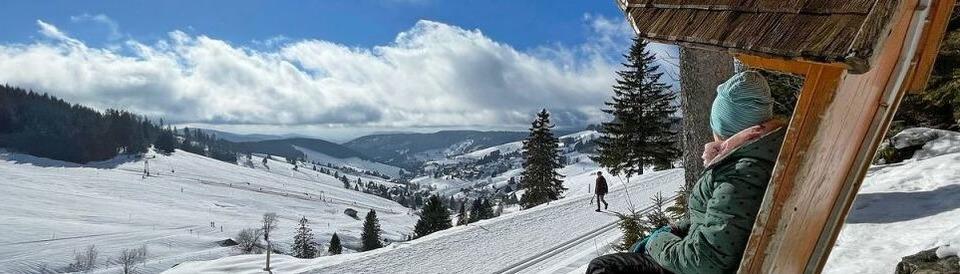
point(601, 189)
point(724, 202)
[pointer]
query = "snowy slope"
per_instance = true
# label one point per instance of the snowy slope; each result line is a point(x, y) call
point(51, 208)
point(353, 162)
point(902, 209)
point(484, 247)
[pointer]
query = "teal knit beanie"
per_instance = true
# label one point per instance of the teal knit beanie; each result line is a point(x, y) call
point(742, 101)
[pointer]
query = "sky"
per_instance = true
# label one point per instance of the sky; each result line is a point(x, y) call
point(331, 69)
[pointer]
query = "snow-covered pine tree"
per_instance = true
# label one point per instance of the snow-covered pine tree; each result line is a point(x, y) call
point(303, 246)
point(370, 237)
point(462, 218)
point(641, 133)
point(434, 217)
point(335, 247)
point(541, 155)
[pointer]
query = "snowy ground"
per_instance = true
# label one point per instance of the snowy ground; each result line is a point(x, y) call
point(902, 209)
point(51, 208)
point(487, 246)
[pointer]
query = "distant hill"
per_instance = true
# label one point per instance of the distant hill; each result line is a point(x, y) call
point(409, 150)
point(238, 138)
point(287, 148)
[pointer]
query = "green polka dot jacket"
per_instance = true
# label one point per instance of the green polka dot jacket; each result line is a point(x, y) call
point(722, 207)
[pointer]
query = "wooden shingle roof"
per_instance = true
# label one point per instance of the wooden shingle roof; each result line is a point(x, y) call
point(846, 31)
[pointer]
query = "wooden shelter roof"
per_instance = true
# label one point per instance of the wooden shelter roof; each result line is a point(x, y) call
point(846, 31)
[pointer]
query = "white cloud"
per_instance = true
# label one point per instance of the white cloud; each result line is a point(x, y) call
point(112, 26)
point(432, 75)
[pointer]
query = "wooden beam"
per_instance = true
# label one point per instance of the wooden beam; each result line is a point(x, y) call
point(779, 204)
point(930, 44)
point(797, 67)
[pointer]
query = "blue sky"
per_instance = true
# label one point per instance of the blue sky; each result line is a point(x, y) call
point(333, 69)
point(522, 24)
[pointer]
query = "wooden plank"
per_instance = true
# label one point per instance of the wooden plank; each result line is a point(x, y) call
point(932, 36)
point(833, 130)
point(778, 206)
point(796, 66)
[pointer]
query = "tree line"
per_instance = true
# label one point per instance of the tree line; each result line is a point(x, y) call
point(46, 126)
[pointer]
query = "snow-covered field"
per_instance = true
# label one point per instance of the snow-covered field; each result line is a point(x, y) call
point(51, 208)
point(902, 209)
point(487, 246)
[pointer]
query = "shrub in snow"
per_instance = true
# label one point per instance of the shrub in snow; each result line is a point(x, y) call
point(248, 240)
point(129, 258)
point(84, 260)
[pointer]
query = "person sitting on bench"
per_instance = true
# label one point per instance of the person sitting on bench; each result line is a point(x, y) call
point(723, 204)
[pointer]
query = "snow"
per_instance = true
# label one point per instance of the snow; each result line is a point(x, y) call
point(486, 246)
point(51, 208)
point(902, 209)
point(935, 141)
point(353, 162)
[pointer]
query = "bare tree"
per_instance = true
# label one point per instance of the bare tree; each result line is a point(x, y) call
point(248, 239)
point(269, 223)
point(84, 260)
point(701, 71)
point(129, 258)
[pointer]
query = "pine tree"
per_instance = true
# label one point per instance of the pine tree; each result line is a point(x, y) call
point(541, 155)
point(635, 225)
point(462, 218)
point(640, 134)
point(482, 210)
point(631, 225)
point(433, 218)
point(370, 237)
point(303, 246)
point(335, 247)
point(166, 142)
point(678, 210)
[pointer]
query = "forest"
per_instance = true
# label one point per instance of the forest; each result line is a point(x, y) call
point(45, 126)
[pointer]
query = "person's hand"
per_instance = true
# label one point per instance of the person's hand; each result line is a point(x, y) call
point(640, 246)
point(710, 151)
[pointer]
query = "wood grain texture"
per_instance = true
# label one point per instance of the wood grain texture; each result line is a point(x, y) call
point(819, 30)
point(932, 35)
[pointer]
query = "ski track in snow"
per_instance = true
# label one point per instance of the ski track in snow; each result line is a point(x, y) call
point(496, 243)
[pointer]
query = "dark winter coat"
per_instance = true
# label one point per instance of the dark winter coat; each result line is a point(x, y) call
point(601, 188)
point(722, 207)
